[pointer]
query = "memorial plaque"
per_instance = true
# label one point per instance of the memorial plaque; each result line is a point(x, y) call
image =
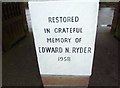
point(64, 34)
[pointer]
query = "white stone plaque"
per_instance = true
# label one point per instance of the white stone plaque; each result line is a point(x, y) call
point(64, 34)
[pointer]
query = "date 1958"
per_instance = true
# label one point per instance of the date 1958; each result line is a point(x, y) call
point(64, 59)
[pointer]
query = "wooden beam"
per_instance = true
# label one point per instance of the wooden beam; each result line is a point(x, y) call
point(65, 80)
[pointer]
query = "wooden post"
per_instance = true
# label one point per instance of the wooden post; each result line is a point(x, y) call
point(115, 18)
point(117, 32)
